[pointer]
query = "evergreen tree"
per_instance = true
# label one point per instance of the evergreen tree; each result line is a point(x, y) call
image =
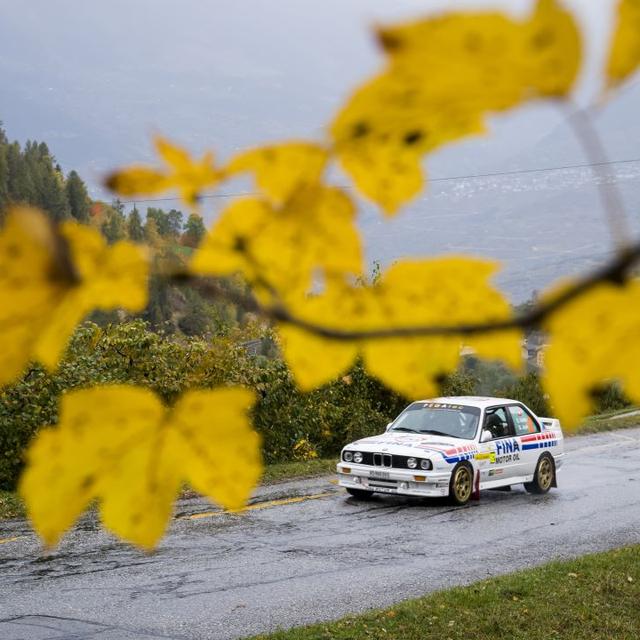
point(52, 196)
point(158, 311)
point(159, 217)
point(134, 226)
point(194, 231)
point(168, 224)
point(47, 183)
point(77, 197)
point(197, 318)
point(20, 187)
point(151, 234)
point(114, 227)
point(4, 172)
point(174, 223)
point(31, 176)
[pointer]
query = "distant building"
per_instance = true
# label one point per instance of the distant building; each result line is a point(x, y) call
point(535, 344)
point(252, 347)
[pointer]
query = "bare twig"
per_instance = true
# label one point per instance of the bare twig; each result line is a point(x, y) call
point(581, 123)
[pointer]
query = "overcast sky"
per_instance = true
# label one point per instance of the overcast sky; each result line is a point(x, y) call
point(95, 80)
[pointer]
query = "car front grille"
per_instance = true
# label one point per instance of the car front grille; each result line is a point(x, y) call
point(385, 460)
point(382, 460)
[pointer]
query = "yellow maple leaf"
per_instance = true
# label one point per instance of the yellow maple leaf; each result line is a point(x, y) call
point(50, 279)
point(119, 444)
point(33, 279)
point(188, 176)
point(445, 291)
point(283, 246)
point(281, 169)
point(109, 277)
point(593, 340)
point(624, 56)
point(443, 75)
point(316, 360)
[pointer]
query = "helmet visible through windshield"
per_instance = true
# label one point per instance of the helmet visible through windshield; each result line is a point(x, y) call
point(457, 421)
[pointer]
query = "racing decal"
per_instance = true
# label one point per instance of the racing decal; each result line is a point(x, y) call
point(507, 446)
point(488, 455)
point(522, 420)
point(442, 405)
point(450, 455)
point(506, 451)
point(406, 440)
point(539, 441)
point(458, 454)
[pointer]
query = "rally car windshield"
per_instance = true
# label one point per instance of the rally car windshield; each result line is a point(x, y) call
point(456, 421)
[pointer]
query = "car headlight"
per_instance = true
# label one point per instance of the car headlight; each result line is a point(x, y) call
point(347, 456)
point(357, 457)
point(412, 463)
point(425, 464)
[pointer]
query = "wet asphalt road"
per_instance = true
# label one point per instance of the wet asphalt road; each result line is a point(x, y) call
point(286, 563)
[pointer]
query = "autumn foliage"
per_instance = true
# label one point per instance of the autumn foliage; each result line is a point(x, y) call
point(298, 246)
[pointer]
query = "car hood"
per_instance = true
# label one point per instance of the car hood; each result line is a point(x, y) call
point(410, 444)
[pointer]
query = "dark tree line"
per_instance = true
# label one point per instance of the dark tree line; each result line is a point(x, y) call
point(31, 175)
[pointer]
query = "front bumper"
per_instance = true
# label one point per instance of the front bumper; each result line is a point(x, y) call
point(412, 482)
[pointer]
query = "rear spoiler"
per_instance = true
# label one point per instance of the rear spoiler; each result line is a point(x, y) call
point(550, 424)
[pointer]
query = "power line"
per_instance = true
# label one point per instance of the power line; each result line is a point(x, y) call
point(584, 165)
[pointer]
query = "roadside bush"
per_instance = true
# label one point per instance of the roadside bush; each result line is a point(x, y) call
point(349, 408)
point(610, 398)
point(528, 389)
point(130, 352)
point(122, 353)
point(293, 424)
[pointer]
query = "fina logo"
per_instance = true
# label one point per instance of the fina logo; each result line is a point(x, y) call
point(507, 446)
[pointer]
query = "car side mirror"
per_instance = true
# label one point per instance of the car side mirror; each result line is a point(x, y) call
point(389, 426)
point(485, 436)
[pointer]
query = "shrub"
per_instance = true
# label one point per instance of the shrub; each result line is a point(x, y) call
point(292, 424)
point(129, 352)
point(122, 353)
point(609, 398)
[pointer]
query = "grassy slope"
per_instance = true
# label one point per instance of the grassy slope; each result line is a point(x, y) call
point(608, 422)
point(595, 597)
point(292, 470)
point(10, 505)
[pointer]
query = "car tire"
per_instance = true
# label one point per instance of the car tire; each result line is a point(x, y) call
point(461, 484)
point(544, 476)
point(360, 494)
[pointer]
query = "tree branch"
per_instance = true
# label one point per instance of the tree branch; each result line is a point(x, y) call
point(616, 272)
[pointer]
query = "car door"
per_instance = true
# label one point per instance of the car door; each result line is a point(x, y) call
point(525, 427)
point(495, 458)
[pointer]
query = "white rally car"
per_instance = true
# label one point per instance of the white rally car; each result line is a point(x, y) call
point(455, 447)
